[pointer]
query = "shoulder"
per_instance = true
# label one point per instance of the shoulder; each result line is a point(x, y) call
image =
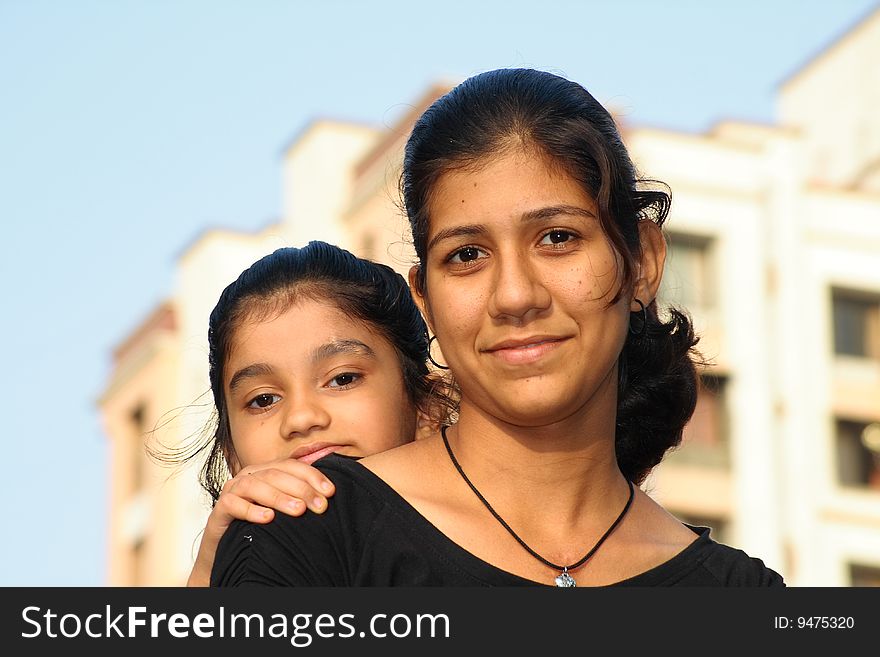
point(687, 555)
point(734, 567)
point(708, 563)
point(415, 470)
point(351, 475)
point(705, 562)
point(311, 549)
point(404, 457)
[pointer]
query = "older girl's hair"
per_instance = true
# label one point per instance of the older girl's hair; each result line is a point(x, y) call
point(507, 109)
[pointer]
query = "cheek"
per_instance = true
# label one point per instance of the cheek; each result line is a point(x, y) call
point(238, 436)
point(379, 401)
point(458, 310)
point(571, 285)
point(382, 420)
point(613, 333)
point(250, 442)
point(446, 291)
point(603, 271)
point(243, 445)
point(401, 416)
point(594, 279)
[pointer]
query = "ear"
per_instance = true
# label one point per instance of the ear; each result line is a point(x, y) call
point(653, 258)
point(418, 295)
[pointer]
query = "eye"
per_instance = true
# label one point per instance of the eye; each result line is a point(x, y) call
point(557, 236)
point(344, 380)
point(466, 255)
point(264, 401)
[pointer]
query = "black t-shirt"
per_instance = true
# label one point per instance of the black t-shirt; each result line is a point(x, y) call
point(371, 536)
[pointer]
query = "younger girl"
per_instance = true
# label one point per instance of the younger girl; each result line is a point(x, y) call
point(312, 351)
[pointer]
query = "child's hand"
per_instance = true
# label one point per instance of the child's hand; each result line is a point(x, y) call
point(253, 494)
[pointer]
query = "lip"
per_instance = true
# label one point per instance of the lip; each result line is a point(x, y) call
point(525, 350)
point(308, 454)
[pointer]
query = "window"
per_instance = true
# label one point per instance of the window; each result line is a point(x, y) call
point(719, 526)
point(856, 323)
point(689, 277)
point(138, 464)
point(860, 575)
point(139, 563)
point(857, 450)
point(705, 439)
point(368, 246)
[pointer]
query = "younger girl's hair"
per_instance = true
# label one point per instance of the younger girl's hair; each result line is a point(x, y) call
point(367, 291)
point(498, 111)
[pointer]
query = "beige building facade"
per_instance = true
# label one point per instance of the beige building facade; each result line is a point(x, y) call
point(775, 251)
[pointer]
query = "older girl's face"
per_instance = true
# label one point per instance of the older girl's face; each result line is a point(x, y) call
point(312, 381)
point(519, 274)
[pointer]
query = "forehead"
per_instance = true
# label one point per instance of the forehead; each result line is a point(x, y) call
point(294, 333)
point(503, 187)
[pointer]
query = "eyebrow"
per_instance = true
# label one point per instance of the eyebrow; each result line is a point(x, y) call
point(473, 230)
point(353, 347)
point(328, 350)
point(249, 372)
point(555, 210)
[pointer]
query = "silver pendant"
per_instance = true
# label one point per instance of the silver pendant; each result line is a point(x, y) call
point(565, 580)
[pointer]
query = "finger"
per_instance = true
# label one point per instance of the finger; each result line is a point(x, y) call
point(278, 490)
point(310, 474)
point(229, 508)
point(286, 485)
point(261, 490)
point(233, 507)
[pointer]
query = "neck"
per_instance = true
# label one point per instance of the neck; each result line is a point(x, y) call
point(568, 466)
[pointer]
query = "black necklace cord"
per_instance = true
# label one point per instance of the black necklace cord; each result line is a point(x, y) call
point(577, 564)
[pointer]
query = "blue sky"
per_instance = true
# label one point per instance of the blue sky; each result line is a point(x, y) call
point(127, 128)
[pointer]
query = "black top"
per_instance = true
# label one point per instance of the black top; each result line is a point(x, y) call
point(371, 536)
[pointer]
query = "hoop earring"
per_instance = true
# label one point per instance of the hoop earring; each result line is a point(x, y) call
point(644, 325)
point(431, 358)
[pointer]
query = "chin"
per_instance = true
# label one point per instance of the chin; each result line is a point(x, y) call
point(535, 412)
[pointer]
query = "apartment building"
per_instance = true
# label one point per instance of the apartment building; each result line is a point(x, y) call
point(775, 252)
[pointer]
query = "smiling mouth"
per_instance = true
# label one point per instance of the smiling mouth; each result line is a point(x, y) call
point(518, 352)
point(311, 453)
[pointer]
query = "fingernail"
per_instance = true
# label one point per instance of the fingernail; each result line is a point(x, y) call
point(318, 503)
point(326, 486)
point(293, 505)
point(266, 513)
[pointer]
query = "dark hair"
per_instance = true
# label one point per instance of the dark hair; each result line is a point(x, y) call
point(501, 110)
point(370, 292)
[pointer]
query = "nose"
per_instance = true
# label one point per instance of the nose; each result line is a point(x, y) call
point(304, 414)
point(519, 290)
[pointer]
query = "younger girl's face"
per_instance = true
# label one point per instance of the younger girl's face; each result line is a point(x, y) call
point(312, 381)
